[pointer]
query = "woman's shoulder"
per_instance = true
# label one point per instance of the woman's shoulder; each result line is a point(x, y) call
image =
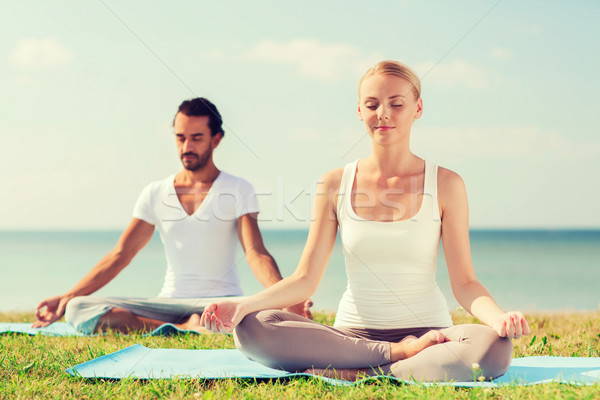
point(328, 188)
point(448, 177)
point(450, 185)
point(332, 179)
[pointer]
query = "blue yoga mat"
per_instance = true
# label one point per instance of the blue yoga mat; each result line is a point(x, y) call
point(144, 363)
point(64, 329)
point(55, 329)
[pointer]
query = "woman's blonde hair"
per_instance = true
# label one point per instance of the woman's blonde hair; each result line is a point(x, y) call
point(394, 68)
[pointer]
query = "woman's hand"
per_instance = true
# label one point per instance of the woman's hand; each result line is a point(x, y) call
point(511, 325)
point(222, 317)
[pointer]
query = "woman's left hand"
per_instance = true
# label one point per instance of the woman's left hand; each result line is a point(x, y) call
point(511, 325)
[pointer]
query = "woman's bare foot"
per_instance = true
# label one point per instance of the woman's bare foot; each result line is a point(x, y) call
point(192, 324)
point(411, 345)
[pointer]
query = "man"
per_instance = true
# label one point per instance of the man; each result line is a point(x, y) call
point(200, 213)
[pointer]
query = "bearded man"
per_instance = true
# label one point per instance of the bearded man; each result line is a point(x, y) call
point(200, 212)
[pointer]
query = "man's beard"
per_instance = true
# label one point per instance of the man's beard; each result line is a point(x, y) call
point(200, 162)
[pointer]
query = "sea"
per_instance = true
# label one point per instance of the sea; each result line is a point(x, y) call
point(529, 270)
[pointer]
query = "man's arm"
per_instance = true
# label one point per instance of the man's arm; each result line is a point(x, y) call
point(132, 240)
point(262, 263)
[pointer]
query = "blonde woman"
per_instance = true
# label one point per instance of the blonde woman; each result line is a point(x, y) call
point(391, 208)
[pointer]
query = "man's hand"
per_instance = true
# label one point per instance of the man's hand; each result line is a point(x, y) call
point(511, 325)
point(50, 310)
point(302, 309)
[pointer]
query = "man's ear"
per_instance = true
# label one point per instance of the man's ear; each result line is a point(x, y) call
point(216, 139)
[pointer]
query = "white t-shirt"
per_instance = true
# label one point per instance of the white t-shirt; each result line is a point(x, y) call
point(200, 248)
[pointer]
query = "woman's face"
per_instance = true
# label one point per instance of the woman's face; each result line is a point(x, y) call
point(388, 107)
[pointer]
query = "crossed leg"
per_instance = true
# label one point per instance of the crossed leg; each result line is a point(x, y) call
point(283, 340)
point(89, 314)
point(280, 339)
point(471, 350)
point(125, 321)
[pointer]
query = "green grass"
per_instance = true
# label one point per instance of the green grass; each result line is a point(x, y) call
point(34, 367)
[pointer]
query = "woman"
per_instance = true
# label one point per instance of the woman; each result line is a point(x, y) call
point(391, 208)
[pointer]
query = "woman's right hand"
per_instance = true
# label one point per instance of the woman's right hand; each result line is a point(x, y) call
point(222, 317)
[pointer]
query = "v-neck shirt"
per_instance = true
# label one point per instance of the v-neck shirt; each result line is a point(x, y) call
point(200, 248)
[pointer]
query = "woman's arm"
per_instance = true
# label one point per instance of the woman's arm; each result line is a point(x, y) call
point(261, 262)
point(224, 316)
point(471, 294)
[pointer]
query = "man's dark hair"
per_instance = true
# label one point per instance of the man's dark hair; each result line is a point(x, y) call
point(201, 107)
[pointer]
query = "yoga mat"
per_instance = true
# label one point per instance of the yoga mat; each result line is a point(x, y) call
point(144, 363)
point(64, 329)
point(55, 329)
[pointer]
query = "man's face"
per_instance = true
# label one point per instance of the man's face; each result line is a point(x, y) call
point(194, 141)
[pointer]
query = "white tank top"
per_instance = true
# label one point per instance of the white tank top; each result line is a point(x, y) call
point(391, 266)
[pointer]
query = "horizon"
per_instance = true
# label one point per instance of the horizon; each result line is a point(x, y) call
point(297, 229)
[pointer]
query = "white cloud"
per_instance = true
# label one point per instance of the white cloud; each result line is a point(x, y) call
point(313, 58)
point(40, 53)
point(455, 73)
point(534, 30)
point(484, 141)
point(23, 80)
point(216, 54)
point(502, 53)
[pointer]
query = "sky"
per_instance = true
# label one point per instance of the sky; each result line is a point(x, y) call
point(88, 91)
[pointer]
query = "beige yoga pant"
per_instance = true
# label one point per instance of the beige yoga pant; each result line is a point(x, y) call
point(280, 339)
